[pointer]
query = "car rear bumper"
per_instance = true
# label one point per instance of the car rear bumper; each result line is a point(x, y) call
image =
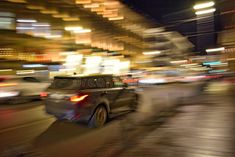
point(68, 111)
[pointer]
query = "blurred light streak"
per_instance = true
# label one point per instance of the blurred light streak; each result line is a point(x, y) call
point(212, 63)
point(41, 25)
point(83, 1)
point(215, 49)
point(33, 65)
point(53, 36)
point(93, 5)
point(26, 20)
point(7, 84)
point(152, 53)
point(82, 31)
point(68, 69)
point(220, 65)
point(116, 18)
point(5, 70)
point(22, 72)
point(17, 1)
point(5, 22)
point(190, 65)
point(218, 71)
point(204, 5)
point(8, 94)
point(35, 7)
point(205, 11)
point(152, 81)
point(73, 28)
point(74, 59)
point(179, 62)
point(230, 59)
point(25, 28)
point(49, 12)
point(107, 3)
point(61, 15)
point(71, 19)
point(67, 53)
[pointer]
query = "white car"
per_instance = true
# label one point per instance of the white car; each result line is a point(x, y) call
point(16, 89)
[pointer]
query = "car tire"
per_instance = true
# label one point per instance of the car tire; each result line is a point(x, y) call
point(99, 117)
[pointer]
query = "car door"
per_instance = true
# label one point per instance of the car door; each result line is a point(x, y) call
point(123, 95)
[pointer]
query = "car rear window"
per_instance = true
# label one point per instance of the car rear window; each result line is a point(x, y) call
point(79, 83)
point(65, 83)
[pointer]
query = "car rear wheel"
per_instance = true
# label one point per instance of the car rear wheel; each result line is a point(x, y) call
point(99, 117)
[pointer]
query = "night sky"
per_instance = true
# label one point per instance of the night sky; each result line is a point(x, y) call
point(157, 9)
point(168, 13)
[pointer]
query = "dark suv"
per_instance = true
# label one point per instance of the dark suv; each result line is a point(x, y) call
point(91, 98)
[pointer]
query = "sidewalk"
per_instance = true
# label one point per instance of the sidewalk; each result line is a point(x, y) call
point(204, 128)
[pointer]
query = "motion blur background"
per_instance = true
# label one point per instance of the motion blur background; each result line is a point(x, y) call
point(146, 42)
point(51, 38)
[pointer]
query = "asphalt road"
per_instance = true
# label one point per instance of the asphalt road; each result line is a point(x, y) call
point(26, 126)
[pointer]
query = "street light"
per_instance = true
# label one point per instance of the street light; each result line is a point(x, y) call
point(204, 5)
point(204, 8)
point(205, 16)
point(201, 12)
point(215, 49)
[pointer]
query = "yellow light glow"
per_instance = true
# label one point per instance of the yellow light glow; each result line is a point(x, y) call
point(99, 13)
point(74, 59)
point(5, 70)
point(99, 9)
point(22, 72)
point(179, 62)
point(152, 53)
point(111, 3)
point(49, 11)
point(67, 53)
point(82, 31)
point(83, 1)
point(204, 5)
point(17, 1)
point(93, 5)
point(71, 19)
point(110, 15)
point(53, 36)
point(205, 11)
point(61, 15)
point(73, 28)
point(35, 7)
point(92, 64)
point(116, 18)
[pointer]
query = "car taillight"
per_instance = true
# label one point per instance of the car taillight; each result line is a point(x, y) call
point(43, 94)
point(78, 98)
